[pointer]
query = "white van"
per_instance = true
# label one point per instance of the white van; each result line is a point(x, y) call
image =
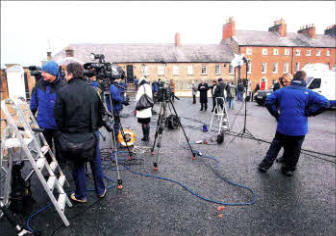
point(321, 80)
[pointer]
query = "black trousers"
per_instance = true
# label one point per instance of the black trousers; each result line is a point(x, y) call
point(292, 149)
point(50, 136)
point(194, 99)
point(204, 105)
point(213, 103)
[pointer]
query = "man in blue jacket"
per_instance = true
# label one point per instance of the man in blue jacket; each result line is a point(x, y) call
point(295, 103)
point(43, 101)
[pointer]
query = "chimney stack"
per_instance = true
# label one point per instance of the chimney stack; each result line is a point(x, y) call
point(279, 27)
point(48, 56)
point(308, 30)
point(229, 29)
point(177, 40)
point(69, 52)
point(331, 30)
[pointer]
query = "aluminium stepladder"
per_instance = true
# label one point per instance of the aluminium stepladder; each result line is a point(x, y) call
point(22, 132)
point(221, 115)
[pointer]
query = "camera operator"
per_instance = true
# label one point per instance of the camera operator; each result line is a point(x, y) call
point(219, 92)
point(295, 103)
point(43, 101)
point(78, 114)
point(118, 100)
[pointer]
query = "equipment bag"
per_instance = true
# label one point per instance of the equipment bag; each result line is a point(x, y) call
point(144, 102)
point(78, 147)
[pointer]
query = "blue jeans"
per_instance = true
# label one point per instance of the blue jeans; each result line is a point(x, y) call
point(230, 101)
point(240, 96)
point(78, 174)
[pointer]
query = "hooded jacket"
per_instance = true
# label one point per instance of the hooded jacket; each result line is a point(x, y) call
point(43, 101)
point(295, 103)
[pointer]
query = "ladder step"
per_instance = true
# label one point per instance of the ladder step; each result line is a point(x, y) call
point(40, 163)
point(53, 165)
point(51, 182)
point(61, 180)
point(45, 149)
point(61, 201)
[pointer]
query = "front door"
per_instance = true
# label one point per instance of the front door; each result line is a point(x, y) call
point(130, 75)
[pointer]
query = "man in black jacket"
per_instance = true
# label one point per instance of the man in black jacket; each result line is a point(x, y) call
point(79, 110)
point(219, 92)
point(203, 88)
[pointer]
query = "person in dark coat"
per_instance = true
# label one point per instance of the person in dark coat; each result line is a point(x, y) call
point(276, 86)
point(203, 88)
point(219, 92)
point(79, 109)
point(295, 104)
point(240, 90)
point(43, 101)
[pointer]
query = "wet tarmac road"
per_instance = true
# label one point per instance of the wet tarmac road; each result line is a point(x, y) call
point(301, 205)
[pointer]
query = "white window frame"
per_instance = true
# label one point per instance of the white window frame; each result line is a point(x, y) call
point(297, 66)
point(249, 67)
point(219, 69)
point(264, 65)
point(297, 52)
point(264, 52)
point(328, 53)
point(277, 68)
point(308, 52)
point(248, 51)
point(286, 67)
point(275, 51)
point(318, 53)
point(190, 70)
point(206, 70)
point(231, 70)
point(176, 70)
point(287, 52)
point(161, 70)
point(145, 70)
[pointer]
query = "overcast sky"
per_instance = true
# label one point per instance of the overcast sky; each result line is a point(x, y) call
point(29, 28)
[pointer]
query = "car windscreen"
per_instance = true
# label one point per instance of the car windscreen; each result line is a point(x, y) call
point(316, 83)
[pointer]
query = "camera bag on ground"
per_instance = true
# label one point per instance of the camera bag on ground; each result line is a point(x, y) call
point(144, 102)
point(172, 122)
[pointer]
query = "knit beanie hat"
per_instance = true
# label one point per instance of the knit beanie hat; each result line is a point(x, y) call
point(50, 67)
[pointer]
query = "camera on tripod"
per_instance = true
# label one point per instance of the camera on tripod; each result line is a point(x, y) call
point(164, 93)
point(105, 72)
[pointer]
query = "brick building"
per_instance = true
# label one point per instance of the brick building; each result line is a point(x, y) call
point(183, 63)
point(276, 51)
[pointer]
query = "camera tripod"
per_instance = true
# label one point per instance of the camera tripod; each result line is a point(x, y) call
point(160, 126)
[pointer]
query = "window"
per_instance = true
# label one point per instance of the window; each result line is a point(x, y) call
point(286, 67)
point(264, 68)
point(204, 70)
point(297, 52)
point(248, 51)
point(297, 66)
point(287, 52)
point(249, 67)
point(275, 68)
point(275, 51)
point(231, 69)
point(318, 53)
point(308, 53)
point(175, 70)
point(161, 70)
point(190, 70)
point(316, 83)
point(328, 53)
point(218, 70)
point(145, 70)
point(264, 51)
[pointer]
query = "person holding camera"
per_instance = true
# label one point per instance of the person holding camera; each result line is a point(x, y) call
point(144, 116)
point(79, 114)
point(291, 106)
point(43, 101)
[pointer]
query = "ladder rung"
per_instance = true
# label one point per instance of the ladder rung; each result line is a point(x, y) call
point(40, 163)
point(53, 165)
point(61, 180)
point(51, 182)
point(45, 149)
point(61, 201)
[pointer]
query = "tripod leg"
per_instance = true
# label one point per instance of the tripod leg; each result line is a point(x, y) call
point(157, 128)
point(159, 134)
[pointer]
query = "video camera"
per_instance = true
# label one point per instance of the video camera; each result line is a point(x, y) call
point(105, 72)
point(164, 93)
point(36, 72)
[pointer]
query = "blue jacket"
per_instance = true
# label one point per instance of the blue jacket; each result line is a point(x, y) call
point(295, 103)
point(43, 101)
point(155, 87)
point(117, 99)
point(94, 84)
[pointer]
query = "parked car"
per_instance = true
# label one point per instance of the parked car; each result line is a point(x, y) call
point(260, 96)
